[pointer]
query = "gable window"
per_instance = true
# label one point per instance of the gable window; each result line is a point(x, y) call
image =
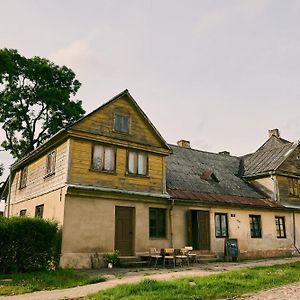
point(280, 227)
point(50, 163)
point(23, 212)
point(103, 158)
point(23, 177)
point(293, 187)
point(121, 123)
point(255, 226)
point(137, 163)
point(221, 224)
point(39, 211)
point(157, 223)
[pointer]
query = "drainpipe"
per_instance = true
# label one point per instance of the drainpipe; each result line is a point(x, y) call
point(171, 225)
point(9, 192)
point(294, 232)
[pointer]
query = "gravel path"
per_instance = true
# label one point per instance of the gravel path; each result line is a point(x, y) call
point(162, 274)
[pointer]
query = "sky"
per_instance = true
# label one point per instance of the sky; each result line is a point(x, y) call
point(218, 73)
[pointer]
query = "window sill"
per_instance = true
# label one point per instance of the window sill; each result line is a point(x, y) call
point(103, 171)
point(157, 238)
point(137, 175)
point(256, 237)
point(222, 237)
point(281, 237)
point(49, 175)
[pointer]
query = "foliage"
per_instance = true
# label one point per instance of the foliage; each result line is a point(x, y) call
point(28, 244)
point(1, 169)
point(113, 258)
point(34, 100)
point(224, 285)
point(20, 283)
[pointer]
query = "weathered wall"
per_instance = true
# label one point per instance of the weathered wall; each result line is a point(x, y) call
point(101, 123)
point(266, 185)
point(81, 172)
point(53, 205)
point(37, 184)
point(89, 228)
point(285, 197)
point(95, 233)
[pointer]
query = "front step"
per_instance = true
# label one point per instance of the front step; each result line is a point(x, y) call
point(207, 258)
point(132, 262)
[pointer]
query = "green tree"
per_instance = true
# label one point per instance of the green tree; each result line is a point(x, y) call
point(1, 169)
point(35, 100)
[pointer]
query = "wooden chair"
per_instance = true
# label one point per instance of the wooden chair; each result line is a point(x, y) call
point(154, 255)
point(191, 256)
point(169, 255)
point(182, 256)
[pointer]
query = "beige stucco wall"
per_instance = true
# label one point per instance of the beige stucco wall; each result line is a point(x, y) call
point(89, 228)
point(53, 205)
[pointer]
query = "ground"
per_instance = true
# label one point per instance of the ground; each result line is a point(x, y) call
point(120, 276)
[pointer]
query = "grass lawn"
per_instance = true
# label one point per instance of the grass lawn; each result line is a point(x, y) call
point(225, 285)
point(20, 283)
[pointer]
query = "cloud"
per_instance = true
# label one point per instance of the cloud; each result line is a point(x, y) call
point(222, 16)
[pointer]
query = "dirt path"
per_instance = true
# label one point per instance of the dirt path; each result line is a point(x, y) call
point(158, 274)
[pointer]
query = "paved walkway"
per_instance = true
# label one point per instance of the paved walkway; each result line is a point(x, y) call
point(126, 276)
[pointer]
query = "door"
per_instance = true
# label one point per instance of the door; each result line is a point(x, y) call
point(198, 228)
point(124, 230)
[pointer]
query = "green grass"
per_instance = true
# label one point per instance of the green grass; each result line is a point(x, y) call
point(225, 285)
point(20, 283)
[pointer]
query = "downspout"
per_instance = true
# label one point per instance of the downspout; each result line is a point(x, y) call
point(9, 192)
point(171, 225)
point(275, 187)
point(294, 232)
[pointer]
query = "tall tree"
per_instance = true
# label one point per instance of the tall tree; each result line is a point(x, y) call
point(35, 100)
point(1, 169)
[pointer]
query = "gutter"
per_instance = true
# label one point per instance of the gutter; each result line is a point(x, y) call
point(9, 192)
point(172, 224)
point(294, 233)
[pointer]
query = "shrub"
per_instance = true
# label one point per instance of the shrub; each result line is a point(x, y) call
point(113, 258)
point(28, 244)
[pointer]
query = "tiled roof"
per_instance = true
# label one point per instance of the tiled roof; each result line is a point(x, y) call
point(185, 169)
point(267, 158)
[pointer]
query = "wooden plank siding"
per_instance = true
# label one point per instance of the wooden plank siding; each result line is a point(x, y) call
point(292, 164)
point(37, 184)
point(82, 174)
point(101, 123)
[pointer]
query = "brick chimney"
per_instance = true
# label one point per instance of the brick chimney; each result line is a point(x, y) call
point(184, 144)
point(274, 132)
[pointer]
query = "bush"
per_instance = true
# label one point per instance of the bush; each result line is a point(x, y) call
point(28, 244)
point(113, 258)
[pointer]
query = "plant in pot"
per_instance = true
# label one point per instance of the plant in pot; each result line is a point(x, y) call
point(112, 259)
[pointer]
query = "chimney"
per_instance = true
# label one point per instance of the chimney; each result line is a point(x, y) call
point(184, 144)
point(226, 153)
point(274, 132)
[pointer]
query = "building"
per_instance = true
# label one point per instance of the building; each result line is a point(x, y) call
point(113, 183)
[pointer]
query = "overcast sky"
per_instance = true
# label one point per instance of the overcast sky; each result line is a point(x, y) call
point(217, 73)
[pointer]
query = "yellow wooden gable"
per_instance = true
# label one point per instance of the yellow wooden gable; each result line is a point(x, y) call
point(101, 123)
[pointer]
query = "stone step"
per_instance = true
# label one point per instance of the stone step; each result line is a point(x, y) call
point(130, 258)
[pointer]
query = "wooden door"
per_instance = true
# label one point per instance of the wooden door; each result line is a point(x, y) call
point(124, 229)
point(198, 229)
point(204, 230)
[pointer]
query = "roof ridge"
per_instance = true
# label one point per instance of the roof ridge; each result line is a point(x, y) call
point(203, 151)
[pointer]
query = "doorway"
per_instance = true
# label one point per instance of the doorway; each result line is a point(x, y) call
point(124, 230)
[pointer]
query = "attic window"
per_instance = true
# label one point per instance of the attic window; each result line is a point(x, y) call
point(209, 175)
point(121, 123)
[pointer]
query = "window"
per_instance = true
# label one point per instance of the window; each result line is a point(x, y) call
point(293, 187)
point(255, 226)
point(23, 212)
point(23, 178)
point(137, 163)
point(157, 222)
point(39, 211)
point(50, 163)
point(280, 227)
point(221, 223)
point(103, 158)
point(121, 123)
